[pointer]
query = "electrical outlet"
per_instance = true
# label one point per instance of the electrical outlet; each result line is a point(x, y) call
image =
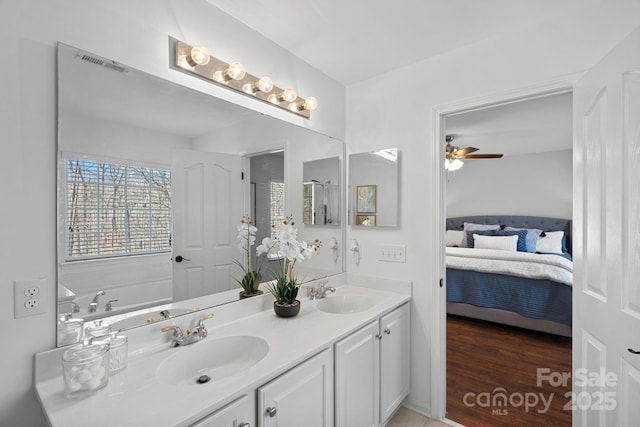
point(29, 297)
point(32, 291)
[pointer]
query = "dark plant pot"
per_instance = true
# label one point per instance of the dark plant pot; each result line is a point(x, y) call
point(286, 310)
point(244, 295)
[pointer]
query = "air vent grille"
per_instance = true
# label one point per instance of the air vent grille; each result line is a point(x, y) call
point(92, 59)
point(96, 60)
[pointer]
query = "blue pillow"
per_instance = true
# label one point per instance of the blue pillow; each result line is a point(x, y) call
point(522, 237)
point(532, 237)
point(470, 233)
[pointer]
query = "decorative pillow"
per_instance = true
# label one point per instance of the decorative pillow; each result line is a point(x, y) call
point(454, 238)
point(467, 226)
point(522, 237)
point(502, 243)
point(532, 237)
point(470, 238)
point(550, 243)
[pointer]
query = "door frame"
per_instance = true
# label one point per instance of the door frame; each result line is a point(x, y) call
point(439, 309)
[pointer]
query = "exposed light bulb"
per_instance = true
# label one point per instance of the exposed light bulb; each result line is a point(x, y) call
point(293, 107)
point(265, 84)
point(235, 71)
point(288, 95)
point(273, 98)
point(310, 104)
point(199, 55)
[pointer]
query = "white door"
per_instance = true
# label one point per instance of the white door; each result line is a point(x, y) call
point(358, 378)
point(238, 413)
point(301, 397)
point(207, 203)
point(395, 361)
point(606, 312)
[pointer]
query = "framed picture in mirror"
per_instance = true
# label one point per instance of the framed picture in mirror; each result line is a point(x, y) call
point(366, 199)
point(366, 220)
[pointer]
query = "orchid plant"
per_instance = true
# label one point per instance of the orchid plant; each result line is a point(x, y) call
point(286, 244)
point(246, 239)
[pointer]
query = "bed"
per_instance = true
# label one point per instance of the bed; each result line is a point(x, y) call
point(530, 290)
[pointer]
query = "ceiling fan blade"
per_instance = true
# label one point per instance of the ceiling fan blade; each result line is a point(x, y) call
point(483, 156)
point(464, 151)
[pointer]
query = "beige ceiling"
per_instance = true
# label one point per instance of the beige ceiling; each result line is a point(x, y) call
point(353, 40)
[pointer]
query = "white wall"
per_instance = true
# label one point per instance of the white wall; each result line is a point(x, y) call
point(132, 32)
point(532, 184)
point(397, 109)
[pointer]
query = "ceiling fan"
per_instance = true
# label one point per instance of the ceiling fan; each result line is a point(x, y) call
point(453, 155)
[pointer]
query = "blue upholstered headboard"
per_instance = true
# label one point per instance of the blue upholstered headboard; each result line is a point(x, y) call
point(539, 222)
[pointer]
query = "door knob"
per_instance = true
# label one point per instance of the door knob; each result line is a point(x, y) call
point(633, 351)
point(180, 258)
point(271, 411)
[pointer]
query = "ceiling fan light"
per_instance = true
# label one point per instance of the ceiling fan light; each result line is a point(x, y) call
point(453, 165)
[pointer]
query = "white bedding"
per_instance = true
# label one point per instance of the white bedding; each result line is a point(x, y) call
point(521, 264)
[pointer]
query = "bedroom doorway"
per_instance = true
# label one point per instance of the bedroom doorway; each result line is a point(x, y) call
point(488, 360)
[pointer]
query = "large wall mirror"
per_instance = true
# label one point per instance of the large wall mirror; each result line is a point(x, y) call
point(374, 188)
point(153, 179)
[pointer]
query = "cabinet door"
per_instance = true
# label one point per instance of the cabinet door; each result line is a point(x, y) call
point(301, 397)
point(394, 359)
point(239, 413)
point(358, 378)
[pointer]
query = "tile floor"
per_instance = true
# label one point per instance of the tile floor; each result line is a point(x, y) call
point(407, 418)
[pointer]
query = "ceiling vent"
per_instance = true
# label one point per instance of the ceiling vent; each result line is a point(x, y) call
point(96, 60)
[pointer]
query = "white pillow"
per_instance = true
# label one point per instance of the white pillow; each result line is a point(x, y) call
point(454, 237)
point(470, 226)
point(501, 243)
point(550, 243)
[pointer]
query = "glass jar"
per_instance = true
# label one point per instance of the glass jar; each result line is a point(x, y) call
point(70, 330)
point(85, 369)
point(118, 351)
point(98, 329)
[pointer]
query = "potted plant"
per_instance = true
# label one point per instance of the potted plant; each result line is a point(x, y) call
point(251, 278)
point(286, 284)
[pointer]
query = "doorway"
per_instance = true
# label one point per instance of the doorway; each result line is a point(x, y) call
point(446, 122)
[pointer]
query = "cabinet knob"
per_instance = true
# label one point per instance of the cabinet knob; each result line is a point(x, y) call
point(387, 331)
point(271, 411)
point(245, 425)
point(378, 336)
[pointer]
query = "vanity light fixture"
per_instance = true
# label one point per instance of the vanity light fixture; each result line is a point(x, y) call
point(197, 60)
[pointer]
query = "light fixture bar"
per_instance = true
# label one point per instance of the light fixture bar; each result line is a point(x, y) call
point(193, 59)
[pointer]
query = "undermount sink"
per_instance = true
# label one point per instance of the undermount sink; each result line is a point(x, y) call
point(211, 360)
point(345, 304)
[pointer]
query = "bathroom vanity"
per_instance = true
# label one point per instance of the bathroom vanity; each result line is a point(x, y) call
point(343, 361)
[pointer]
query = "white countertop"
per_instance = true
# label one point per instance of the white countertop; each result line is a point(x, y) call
point(135, 397)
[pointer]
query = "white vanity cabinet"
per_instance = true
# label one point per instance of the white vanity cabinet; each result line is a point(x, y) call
point(301, 397)
point(372, 371)
point(239, 413)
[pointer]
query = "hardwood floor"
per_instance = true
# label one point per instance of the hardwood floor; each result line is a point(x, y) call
point(485, 359)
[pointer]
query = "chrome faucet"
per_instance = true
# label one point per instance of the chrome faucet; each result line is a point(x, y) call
point(180, 338)
point(109, 305)
point(93, 306)
point(320, 293)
